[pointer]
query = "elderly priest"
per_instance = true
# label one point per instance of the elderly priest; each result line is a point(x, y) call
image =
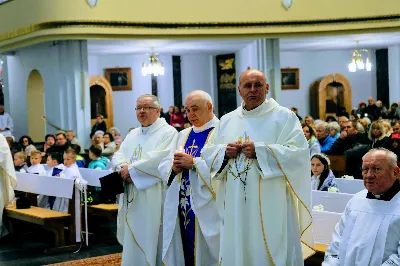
point(8, 180)
point(191, 221)
point(260, 155)
point(368, 232)
point(140, 208)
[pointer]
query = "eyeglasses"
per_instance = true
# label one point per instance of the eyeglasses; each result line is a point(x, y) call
point(375, 170)
point(139, 108)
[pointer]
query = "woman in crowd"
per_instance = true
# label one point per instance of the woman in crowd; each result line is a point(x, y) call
point(322, 177)
point(99, 126)
point(177, 119)
point(50, 140)
point(117, 135)
point(334, 130)
point(109, 145)
point(361, 109)
point(313, 143)
point(377, 134)
point(26, 144)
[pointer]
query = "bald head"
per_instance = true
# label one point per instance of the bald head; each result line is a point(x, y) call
point(251, 70)
point(371, 100)
point(199, 108)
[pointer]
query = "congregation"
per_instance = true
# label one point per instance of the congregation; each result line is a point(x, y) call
point(207, 177)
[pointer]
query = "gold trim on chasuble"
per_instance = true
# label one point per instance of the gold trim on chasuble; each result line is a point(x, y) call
point(6, 181)
point(298, 198)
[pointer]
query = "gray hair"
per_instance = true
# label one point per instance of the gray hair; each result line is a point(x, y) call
point(203, 95)
point(154, 98)
point(116, 131)
point(335, 126)
point(360, 127)
point(72, 131)
point(324, 125)
point(391, 157)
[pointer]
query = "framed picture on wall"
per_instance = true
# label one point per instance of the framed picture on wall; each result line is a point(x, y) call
point(290, 79)
point(120, 78)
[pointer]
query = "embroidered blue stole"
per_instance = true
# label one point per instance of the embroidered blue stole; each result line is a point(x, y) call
point(193, 146)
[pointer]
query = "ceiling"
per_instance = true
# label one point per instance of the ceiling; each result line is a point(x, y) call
point(375, 41)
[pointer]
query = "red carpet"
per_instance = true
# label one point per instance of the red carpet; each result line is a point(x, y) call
point(107, 260)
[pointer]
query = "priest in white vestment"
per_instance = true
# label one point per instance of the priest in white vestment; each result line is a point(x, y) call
point(261, 157)
point(6, 122)
point(368, 233)
point(191, 222)
point(140, 207)
point(8, 181)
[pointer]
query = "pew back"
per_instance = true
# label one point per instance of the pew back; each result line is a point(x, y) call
point(349, 186)
point(332, 202)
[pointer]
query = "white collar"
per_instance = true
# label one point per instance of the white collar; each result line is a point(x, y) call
point(255, 111)
point(212, 123)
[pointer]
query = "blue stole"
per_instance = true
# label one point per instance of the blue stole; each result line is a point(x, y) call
point(56, 171)
point(187, 218)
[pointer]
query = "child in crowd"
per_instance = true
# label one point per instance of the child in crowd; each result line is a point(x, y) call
point(36, 167)
point(54, 163)
point(322, 177)
point(20, 162)
point(98, 162)
point(80, 161)
point(71, 171)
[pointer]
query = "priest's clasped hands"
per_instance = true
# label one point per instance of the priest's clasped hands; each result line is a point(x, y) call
point(124, 172)
point(182, 161)
point(233, 149)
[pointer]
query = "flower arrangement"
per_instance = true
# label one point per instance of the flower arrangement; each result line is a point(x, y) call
point(318, 208)
point(333, 189)
point(348, 177)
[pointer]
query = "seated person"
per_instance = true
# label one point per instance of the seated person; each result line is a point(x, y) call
point(71, 171)
point(54, 163)
point(109, 145)
point(80, 161)
point(322, 177)
point(20, 162)
point(98, 162)
point(368, 231)
point(36, 167)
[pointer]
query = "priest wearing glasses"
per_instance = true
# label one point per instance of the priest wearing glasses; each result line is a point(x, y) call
point(368, 232)
point(261, 157)
point(140, 209)
point(191, 222)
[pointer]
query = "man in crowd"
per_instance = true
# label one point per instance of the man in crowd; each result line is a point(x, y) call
point(371, 109)
point(6, 122)
point(191, 221)
point(62, 143)
point(140, 210)
point(325, 141)
point(72, 138)
point(264, 192)
point(368, 231)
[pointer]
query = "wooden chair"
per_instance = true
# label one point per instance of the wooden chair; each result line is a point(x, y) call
point(338, 164)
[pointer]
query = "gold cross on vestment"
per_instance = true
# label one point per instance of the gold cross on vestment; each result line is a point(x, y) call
point(191, 147)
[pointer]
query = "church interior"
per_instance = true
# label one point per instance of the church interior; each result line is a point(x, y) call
point(66, 66)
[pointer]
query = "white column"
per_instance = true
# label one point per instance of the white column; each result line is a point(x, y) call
point(394, 73)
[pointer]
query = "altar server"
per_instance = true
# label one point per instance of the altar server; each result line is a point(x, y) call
point(140, 208)
point(191, 222)
point(260, 155)
point(6, 122)
point(368, 232)
point(8, 180)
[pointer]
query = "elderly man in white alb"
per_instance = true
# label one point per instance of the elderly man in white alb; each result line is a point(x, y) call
point(191, 222)
point(140, 208)
point(8, 180)
point(261, 157)
point(6, 122)
point(368, 233)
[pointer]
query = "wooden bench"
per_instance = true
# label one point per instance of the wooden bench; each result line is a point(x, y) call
point(320, 248)
point(50, 220)
point(338, 164)
point(104, 210)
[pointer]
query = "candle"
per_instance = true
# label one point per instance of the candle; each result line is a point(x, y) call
point(180, 150)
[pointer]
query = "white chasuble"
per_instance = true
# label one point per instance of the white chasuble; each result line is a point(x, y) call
point(263, 202)
point(140, 207)
point(201, 200)
point(8, 180)
point(367, 234)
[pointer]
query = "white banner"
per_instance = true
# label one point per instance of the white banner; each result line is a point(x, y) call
point(45, 185)
point(93, 176)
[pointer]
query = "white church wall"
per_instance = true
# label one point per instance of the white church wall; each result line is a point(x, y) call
point(195, 70)
point(246, 57)
point(315, 65)
point(60, 66)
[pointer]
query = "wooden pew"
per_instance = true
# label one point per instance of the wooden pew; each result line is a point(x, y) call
point(93, 178)
point(338, 164)
point(53, 221)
